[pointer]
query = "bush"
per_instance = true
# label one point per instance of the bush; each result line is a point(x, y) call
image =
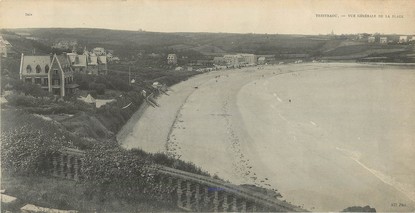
point(22, 100)
point(26, 150)
point(119, 172)
point(23, 87)
point(98, 87)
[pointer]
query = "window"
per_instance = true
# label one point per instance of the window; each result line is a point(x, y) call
point(38, 81)
point(45, 81)
point(56, 82)
point(55, 71)
point(28, 69)
point(38, 69)
point(46, 68)
point(28, 80)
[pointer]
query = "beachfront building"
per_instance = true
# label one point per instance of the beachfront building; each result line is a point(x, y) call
point(264, 59)
point(219, 61)
point(248, 58)
point(172, 59)
point(371, 39)
point(51, 73)
point(383, 40)
point(233, 60)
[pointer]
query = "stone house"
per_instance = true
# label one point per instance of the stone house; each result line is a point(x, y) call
point(51, 73)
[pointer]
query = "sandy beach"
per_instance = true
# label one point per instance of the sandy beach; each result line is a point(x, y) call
point(327, 136)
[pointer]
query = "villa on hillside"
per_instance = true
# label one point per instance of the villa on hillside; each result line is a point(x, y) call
point(383, 40)
point(172, 59)
point(5, 47)
point(89, 62)
point(51, 73)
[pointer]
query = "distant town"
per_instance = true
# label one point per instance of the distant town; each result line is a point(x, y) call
point(71, 57)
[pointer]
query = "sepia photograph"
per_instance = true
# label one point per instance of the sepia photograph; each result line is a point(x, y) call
point(207, 106)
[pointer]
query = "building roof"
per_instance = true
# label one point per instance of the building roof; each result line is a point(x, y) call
point(171, 56)
point(33, 62)
point(81, 60)
point(63, 60)
point(72, 57)
point(92, 60)
point(102, 59)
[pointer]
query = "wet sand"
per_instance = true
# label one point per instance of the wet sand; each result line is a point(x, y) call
point(327, 136)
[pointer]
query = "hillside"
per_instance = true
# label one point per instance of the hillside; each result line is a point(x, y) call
point(127, 43)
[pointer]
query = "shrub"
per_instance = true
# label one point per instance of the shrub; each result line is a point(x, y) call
point(98, 87)
point(120, 172)
point(25, 150)
point(22, 100)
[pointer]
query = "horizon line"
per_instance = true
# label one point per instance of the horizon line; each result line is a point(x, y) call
point(145, 31)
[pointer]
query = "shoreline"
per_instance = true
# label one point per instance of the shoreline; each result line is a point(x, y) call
point(236, 148)
point(129, 126)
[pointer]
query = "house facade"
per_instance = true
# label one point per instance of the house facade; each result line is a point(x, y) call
point(5, 47)
point(219, 61)
point(51, 73)
point(248, 58)
point(233, 60)
point(383, 40)
point(172, 59)
point(35, 69)
point(371, 39)
point(88, 63)
point(403, 39)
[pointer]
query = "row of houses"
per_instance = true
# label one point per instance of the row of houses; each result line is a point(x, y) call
point(55, 73)
point(234, 60)
point(385, 40)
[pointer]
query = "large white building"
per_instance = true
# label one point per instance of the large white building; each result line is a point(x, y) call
point(248, 58)
point(240, 59)
point(371, 39)
point(233, 60)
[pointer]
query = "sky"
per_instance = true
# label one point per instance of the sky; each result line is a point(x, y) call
point(232, 16)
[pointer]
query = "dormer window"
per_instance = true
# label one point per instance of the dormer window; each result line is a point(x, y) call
point(38, 69)
point(28, 69)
